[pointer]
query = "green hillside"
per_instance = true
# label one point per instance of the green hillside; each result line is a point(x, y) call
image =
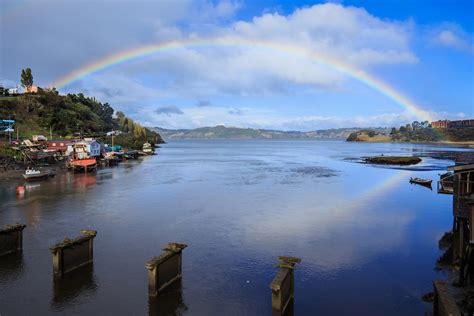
point(71, 115)
point(416, 132)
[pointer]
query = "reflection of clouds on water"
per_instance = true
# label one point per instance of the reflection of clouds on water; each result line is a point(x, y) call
point(337, 235)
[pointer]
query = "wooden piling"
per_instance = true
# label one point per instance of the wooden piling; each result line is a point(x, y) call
point(11, 239)
point(164, 269)
point(444, 304)
point(282, 286)
point(71, 254)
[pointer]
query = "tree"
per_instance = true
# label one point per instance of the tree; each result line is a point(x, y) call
point(26, 78)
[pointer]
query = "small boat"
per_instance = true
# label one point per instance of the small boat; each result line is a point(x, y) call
point(148, 149)
point(32, 174)
point(424, 182)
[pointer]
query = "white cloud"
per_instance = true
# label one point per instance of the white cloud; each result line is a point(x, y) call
point(455, 38)
point(68, 41)
point(347, 34)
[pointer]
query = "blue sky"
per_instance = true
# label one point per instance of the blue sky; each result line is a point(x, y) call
point(422, 49)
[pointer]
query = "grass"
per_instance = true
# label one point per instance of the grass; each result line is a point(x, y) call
point(393, 160)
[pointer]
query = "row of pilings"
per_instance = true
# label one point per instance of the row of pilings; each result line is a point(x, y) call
point(163, 270)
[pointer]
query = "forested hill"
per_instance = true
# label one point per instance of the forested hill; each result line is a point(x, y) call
point(223, 132)
point(69, 116)
point(416, 132)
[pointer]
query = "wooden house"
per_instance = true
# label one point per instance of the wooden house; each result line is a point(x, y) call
point(60, 144)
point(463, 189)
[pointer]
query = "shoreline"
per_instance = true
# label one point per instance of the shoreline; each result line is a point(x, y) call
point(467, 144)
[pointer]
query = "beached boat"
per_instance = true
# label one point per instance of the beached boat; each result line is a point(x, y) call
point(425, 182)
point(88, 164)
point(32, 174)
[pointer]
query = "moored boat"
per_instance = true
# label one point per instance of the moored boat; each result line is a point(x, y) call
point(32, 174)
point(420, 181)
point(148, 149)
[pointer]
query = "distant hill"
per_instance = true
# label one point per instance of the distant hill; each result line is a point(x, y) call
point(223, 132)
point(416, 132)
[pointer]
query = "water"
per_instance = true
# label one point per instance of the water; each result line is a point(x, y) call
point(367, 238)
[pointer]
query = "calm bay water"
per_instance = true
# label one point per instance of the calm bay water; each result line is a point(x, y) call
point(367, 238)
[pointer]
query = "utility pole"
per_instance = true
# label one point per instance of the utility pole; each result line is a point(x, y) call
point(50, 133)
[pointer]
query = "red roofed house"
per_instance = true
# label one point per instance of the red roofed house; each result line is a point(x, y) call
point(59, 144)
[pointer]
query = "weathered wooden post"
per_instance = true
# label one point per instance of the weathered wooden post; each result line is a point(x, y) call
point(164, 269)
point(444, 304)
point(471, 224)
point(11, 239)
point(71, 254)
point(282, 286)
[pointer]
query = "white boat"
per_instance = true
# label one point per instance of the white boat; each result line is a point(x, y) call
point(32, 174)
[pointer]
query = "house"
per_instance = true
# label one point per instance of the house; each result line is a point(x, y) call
point(39, 138)
point(463, 225)
point(60, 144)
point(13, 91)
point(440, 124)
point(84, 149)
point(113, 133)
point(463, 189)
point(93, 147)
point(33, 89)
point(452, 124)
point(461, 123)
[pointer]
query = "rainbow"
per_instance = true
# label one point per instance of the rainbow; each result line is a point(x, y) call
point(148, 50)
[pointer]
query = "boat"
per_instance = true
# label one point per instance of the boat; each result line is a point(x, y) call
point(32, 174)
point(88, 164)
point(420, 181)
point(148, 149)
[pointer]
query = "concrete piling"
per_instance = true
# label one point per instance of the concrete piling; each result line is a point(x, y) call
point(164, 269)
point(11, 239)
point(283, 287)
point(71, 254)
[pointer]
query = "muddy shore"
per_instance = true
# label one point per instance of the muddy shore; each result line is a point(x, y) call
point(14, 171)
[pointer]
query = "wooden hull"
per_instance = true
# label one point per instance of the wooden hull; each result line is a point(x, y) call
point(40, 176)
point(426, 183)
point(84, 164)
